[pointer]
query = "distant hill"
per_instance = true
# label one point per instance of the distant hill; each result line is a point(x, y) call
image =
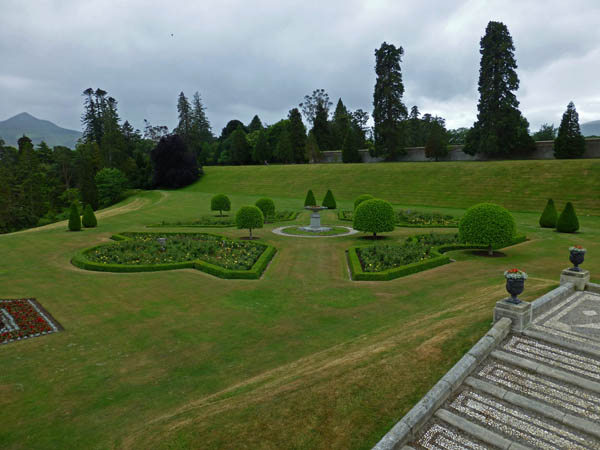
point(591, 128)
point(37, 130)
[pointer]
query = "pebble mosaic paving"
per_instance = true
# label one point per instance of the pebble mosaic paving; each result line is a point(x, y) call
point(567, 397)
point(576, 319)
point(440, 437)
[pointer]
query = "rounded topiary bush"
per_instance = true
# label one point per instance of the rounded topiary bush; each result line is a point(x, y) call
point(310, 199)
point(249, 217)
point(89, 218)
point(220, 202)
point(567, 221)
point(487, 224)
point(329, 200)
point(267, 206)
point(549, 216)
point(374, 216)
point(362, 198)
point(74, 218)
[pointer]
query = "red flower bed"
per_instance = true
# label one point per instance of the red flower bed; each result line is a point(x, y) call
point(24, 318)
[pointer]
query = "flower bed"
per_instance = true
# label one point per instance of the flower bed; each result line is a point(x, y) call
point(23, 319)
point(377, 258)
point(411, 218)
point(209, 221)
point(141, 252)
point(417, 253)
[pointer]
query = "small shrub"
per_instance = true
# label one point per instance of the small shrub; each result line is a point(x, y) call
point(267, 206)
point(89, 218)
point(567, 221)
point(220, 202)
point(329, 200)
point(549, 216)
point(374, 216)
point(310, 199)
point(487, 224)
point(249, 217)
point(74, 218)
point(362, 198)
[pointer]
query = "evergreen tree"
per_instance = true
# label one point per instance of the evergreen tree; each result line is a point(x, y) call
point(312, 151)
point(329, 200)
point(284, 150)
point(549, 215)
point(437, 142)
point(388, 109)
point(500, 129)
point(567, 221)
point(414, 135)
point(340, 125)
point(255, 124)
point(185, 125)
point(321, 128)
point(261, 153)
point(89, 218)
point(350, 152)
point(231, 126)
point(297, 135)
point(569, 142)
point(240, 149)
point(310, 199)
point(87, 164)
point(200, 124)
point(74, 218)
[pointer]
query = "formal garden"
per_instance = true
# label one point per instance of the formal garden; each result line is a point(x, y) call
point(189, 307)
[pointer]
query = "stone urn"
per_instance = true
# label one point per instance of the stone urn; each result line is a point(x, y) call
point(515, 284)
point(576, 256)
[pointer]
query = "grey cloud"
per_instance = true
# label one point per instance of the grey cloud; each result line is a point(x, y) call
point(262, 57)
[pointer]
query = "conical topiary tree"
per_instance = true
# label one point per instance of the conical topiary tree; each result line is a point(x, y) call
point(74, 218)
point(310, 199)
point(549, 216)
point(89, 218)
point(567, 221)
point(329, 200)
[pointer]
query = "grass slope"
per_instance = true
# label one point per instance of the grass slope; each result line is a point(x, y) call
point(517, 185)
point(303, 358)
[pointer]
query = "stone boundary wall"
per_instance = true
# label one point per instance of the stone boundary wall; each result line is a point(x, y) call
point(409, 425)
point(544, 150)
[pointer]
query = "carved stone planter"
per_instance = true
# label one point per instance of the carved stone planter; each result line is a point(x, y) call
point(515, 286)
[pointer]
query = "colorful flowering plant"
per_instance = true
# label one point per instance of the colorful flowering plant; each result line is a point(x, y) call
point(515, 274)
point(577, 249)
point(22, 319)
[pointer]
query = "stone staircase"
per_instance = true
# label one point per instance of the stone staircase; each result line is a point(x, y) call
point(538, 388)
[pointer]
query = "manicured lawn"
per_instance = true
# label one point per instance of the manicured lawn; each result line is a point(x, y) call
point(302, 358)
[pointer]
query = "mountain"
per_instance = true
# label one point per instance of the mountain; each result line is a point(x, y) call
point(591, 128)
point(37, 130)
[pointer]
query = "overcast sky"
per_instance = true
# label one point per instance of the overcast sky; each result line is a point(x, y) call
point(262, 57)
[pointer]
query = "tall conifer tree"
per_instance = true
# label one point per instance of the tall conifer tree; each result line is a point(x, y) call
point(388, 109)
point(297, 135)
point(500, 129)
point(569, 142)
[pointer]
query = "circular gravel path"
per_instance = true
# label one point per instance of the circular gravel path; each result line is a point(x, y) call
point(280, 231)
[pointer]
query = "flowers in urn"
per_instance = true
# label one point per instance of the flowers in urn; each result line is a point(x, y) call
point(576, 256)
point(515, 284)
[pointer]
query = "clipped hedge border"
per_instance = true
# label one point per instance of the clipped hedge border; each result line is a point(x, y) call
point(80, 260)
point(438, 259)
point(402, 224)
point(291, 216)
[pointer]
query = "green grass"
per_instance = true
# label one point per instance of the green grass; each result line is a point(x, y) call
point(302, 358)
point(517, 185)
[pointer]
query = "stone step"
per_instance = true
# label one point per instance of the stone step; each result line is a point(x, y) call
point(514, 423)
point(542, 353)
point(449, 431)
point(584, 409)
